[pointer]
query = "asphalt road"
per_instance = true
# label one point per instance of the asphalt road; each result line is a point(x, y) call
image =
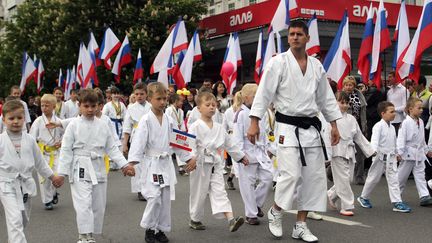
point(124, 212)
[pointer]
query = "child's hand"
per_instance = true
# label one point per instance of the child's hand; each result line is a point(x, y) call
point(245, 161)
point(191, 165)
point(52, 125)
point(429, 154)
point(374, 154)
point(128, 170)
point(57, 145)
point(398, 158)
point(270, 155)
point(327, 164)
point(57, 181)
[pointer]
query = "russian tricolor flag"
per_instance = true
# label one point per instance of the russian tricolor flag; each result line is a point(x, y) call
point(402, 38)
point(122, 59)
point(183, 74)
point(61, 80)
point(138, 72)
point(364, 59)
point(93, 55)
point(95, 47)
point(281, 18)
point(110, 45)
point(381, 41)
point(87, 67)
point(270, 50)
point(313, 46)
point(337, 62)
point(28, 71)
point(421, 41)
point(258, 59)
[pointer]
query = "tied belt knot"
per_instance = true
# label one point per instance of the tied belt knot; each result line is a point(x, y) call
point(304, 123)
point(23, 184)
point(118, 123)
point(86, 163)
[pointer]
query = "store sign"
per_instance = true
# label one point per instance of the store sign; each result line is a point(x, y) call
point(261, 14)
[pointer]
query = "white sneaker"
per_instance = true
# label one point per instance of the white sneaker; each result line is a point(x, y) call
point(82, 241)
point(275, 223)
point(301, 231)
point(314, 216)
point(430, 184)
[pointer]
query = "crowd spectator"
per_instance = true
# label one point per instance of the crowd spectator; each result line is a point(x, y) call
point(398, 95)
point(220, 92)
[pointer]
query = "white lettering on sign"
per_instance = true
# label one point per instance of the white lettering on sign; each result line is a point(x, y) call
point(242, 18)
point(308, 11)
point(362, 11)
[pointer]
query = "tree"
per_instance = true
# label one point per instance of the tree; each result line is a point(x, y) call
point(53, 29)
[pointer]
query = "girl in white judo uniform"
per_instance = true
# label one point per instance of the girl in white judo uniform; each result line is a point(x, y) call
point(19, 157)
point(174, 110)
point(133, 115)
point(151, 146)
point(383, 141)
point(206, 176)
point(411, 146)
point(49, 141)
point(115, 110)
point(61, 109)
point(85, 142)
point(260, 165)
point(343, 157)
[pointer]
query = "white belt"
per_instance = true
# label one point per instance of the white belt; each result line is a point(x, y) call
point(19, 184)
point(89, 155)
point(156, 154)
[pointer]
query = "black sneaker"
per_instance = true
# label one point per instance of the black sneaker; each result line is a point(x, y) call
point(197, 225)
point(55, 198)
point(161, 237)
point(49, 206)
point(141, 197)
point(150, 236)
point(236, 223)
point(252, 221)
point(260, 213)
point(230, 184)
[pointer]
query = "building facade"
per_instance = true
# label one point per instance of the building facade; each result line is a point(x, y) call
point(249, 20)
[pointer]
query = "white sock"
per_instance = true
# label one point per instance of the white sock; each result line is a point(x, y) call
point(300, 223)
point(275, 211)
point(230, 218)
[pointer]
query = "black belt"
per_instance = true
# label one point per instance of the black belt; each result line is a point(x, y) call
point(305, 123)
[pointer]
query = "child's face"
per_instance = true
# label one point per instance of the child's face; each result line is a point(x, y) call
point(47, 108)
point(416, 110)
point(115, 96)
point(248, 100)
point(208, 108)
point(14, 120)
point(73, 96)
point(220, 89)
point(88, 109)
point(343, 106)
point(389, 114)
point(59, 95)
point(140, 95)
point(190, 98)
point(179, 102)
point(158, 101)
point(16, 93)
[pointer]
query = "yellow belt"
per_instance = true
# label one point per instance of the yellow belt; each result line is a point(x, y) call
point(48, 149)
point(107, 164)
point(135, 125)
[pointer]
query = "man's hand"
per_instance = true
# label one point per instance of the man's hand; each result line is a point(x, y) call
point(128, 170)
point(191, 165)
point(335, 136)
point(253, 131)
point(57, 181)
point(429, 154)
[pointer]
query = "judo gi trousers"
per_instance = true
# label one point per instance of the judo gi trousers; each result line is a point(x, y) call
point(308, 182)
point(157, 214)
point(47, 189)
point(342, 170)
point(254, 197)
point(374, 176)
point(208, 179)
point(89, 202)
point(137, 179)
point(418, 170)
point(16, 219)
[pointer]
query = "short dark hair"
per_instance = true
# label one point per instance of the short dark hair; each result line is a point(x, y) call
point(173, 98)
point(115, 90)
point(393, 73)
point(342, 96)
point(12, 105)
point(383, 105)
point(101, 98)
point(14, 87)
point(299, 24)
point(141, 86)
point(58, 88)
point(88, 96)
point(422, 80)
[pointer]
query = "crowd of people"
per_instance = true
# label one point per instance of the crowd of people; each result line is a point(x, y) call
point(283, 134)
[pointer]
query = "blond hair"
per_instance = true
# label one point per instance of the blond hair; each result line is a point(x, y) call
point(50, 98)
point(411, 103)
point(156, 88)
point(349, 79)
point(204, 96)
point(247, 90)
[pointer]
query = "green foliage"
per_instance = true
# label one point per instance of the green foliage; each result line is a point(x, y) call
point(53, 29)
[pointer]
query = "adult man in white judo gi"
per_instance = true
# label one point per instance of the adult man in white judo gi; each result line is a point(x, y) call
point(298, 87)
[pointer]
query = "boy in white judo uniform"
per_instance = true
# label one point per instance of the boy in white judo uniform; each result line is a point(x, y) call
point(151, 146)
point(60, 110)
point(343, 157)
point(72, 109)
point(383, 141)
point(133, 115)
point(206, 171)
point(411, 146)
point(174, 110)
point(297, 85)
point(19, 157)
point(260, 165)
point(115, 110)
point(49, 141)
point(15, 91)
point(85, 141)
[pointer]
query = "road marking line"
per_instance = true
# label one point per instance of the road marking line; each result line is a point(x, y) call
point(337, 220)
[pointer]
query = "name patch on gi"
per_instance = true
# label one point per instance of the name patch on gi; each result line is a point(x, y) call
point(281, 139)
point(155, 178)
point(161, 180)
point(81, 173)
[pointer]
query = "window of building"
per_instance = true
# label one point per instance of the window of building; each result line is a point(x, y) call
point(252, 1)
point(231, 6)
point(211, 11)
point(212, 2)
